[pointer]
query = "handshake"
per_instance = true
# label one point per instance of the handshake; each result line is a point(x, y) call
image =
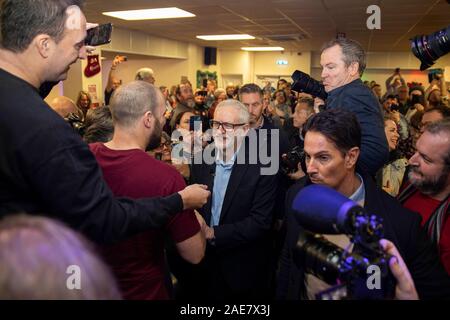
point(194, 196)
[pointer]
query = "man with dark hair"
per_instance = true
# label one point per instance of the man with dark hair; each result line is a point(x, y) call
point(185, 101)
point(44, 165)
point(98, 125)
point(434, 114)
point(294, 126)
point(428, 189)
point(332, 147)
point(343, 62)
point(376, 90)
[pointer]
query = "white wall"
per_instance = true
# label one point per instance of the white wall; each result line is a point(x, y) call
point(171, 60)
point(168, 71)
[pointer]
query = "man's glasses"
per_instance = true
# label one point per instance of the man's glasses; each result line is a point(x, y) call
point(225, 125)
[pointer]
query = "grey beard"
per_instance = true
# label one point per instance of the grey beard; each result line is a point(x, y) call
point(190, 104)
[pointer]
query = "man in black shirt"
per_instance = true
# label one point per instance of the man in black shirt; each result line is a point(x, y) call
point(45, 168)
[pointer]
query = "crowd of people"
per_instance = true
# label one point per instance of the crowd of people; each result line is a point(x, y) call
point(162, 221)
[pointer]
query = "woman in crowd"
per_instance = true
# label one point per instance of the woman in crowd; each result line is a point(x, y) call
point(84, 102)
point(393, 172)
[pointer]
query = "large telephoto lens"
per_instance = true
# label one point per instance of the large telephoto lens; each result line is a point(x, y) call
point(429, 48)
point(304, 83)
point(316, 255)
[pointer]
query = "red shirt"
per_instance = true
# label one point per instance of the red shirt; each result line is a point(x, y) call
point(138, 262)
point(425, 205)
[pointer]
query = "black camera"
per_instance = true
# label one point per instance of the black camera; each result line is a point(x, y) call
point(346, 272)
point(304, 83)
point(431, 47)
point(395, 107)
point(290, 161)
point(203, 93)
point(76, 123)
point(321, 209)
point(417, 99)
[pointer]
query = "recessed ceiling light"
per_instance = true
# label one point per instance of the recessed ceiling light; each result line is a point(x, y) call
point(226, 37)
point(262, 49)
point(150, 14)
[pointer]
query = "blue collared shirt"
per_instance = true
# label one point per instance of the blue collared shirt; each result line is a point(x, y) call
point(221, 179)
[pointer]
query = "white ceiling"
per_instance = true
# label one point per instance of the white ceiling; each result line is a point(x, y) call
point(307, 23)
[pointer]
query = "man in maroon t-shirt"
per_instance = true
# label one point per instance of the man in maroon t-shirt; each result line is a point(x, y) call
point(138, 262)
point(429, 185)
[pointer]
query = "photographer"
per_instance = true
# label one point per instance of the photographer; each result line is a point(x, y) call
point(293, 127)
point(332, 147)
point(44, 164)
point(343, 62)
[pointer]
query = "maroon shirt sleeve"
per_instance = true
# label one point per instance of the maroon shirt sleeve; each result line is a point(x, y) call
point(183, 225)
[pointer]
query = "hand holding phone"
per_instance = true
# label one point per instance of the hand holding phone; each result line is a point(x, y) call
point(99, 35)
point(118, 60)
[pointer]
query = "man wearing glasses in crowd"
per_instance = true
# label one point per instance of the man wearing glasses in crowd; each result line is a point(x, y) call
point(238, 216)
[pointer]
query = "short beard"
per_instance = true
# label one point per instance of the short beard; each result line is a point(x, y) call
point(155, 137)
point(190, 103)
point(429, 186)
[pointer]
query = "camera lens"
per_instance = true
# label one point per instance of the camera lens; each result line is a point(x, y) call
point(304, 83)
point(428, 48)
point(318, 256)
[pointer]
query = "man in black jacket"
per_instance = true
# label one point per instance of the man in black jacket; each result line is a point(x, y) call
point(45, 168)
point(237, 263)
point(332, 145)
point(343, 62)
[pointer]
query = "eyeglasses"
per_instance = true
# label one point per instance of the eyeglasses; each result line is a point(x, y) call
point(166, 144)
point(225, 125)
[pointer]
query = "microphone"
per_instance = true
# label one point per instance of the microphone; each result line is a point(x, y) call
point(321, 209)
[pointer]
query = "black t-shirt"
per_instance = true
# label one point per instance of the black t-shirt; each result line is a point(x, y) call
point(45, 168)
point(108, 95)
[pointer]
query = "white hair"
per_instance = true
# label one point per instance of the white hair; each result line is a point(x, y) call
point(244, 115)
point(144, 74)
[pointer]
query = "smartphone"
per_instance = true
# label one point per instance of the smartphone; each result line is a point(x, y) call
point(433, 74)
point(192, 122)
point(415, 98)
point(158, 156)
point(99, 35)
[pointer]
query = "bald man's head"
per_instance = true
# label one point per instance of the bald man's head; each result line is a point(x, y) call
point(63, 106)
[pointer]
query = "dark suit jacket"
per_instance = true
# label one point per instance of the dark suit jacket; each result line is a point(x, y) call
point(357, 98)
point(401, 226)
point(241, 254)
